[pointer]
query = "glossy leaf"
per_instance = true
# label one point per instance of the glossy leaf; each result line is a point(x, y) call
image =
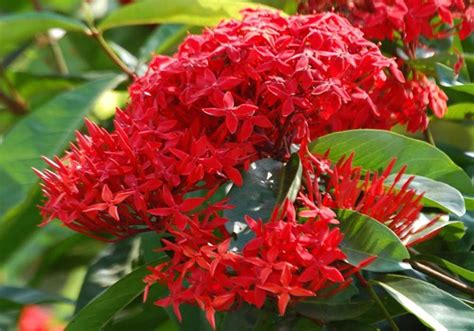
point(101, 309)
point(332, 311)
point(290, 181)
point(45, 131)
point(191, 12)
point(433, 306)
point(365, 237)
point(18, 28)
point(375, 148)
point(441, 222)
point(256, 198)
point(113, 263)
point(435, 194)
point(460, 111)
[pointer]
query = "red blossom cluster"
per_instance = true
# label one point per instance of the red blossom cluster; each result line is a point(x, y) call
point(405, 19)
point(294, 254)
point(241, 91)
point(285, 260)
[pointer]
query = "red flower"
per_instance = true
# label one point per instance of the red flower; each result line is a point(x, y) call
point(241, 91)
point(35, 318)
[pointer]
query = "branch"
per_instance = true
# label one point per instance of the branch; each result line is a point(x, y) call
point(426, 269)
point(111, 54)
point(13, 105)
point(55, 48)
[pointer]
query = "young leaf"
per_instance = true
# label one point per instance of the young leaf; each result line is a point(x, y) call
point(45, 131)
point(436, 194)
point(375, 148)
point(190, 12)
point(365, 237)
point(433, 306)
point(101, 309)
point(18, 28)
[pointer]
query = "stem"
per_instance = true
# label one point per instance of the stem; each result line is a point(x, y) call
point(426, 269)
point(15, 102)
point(429, 136)
point(13, 105)
point(111, 54)
point(58, 56)
point(379, 302)
point(55, 49)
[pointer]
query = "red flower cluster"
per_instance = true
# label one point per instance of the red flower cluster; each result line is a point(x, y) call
point(36, 318)
point(406, 19)
point(346, 188)
point(294, 254)
point(242, 91)
point(286, 260)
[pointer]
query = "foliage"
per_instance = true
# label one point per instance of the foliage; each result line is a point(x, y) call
point(275, 171)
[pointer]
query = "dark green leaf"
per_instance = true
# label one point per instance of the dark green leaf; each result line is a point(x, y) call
point(101, 309)
point(164, 37)
point(256, 198)
point(290, 181)
point(434, 307)
point(112, 264)
point(365, 237)
point(190, 12)
point(435, 194)
point(18, 28)
point(46, 132)
point(332, 311)
point(375, 148)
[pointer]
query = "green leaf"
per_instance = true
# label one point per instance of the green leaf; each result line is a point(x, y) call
point(18, 28)
point(434, 307)
point(101, 309)
point(435, 194)
point(290, 180)
point(375, 148)
point(162, 39)
point(365, 237)
point(458, 270)
point(46, 131)
point(17, 228)
point(441, 222)
point(332, 311)
point(256, 198)
point(460, 111)
point(190, 12)
point(19, 296)
point(112, 264)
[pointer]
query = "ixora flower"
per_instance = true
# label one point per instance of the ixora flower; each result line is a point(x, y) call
point(241, 91)
point(295, 254)
point(36, 318)
point(407, 19)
